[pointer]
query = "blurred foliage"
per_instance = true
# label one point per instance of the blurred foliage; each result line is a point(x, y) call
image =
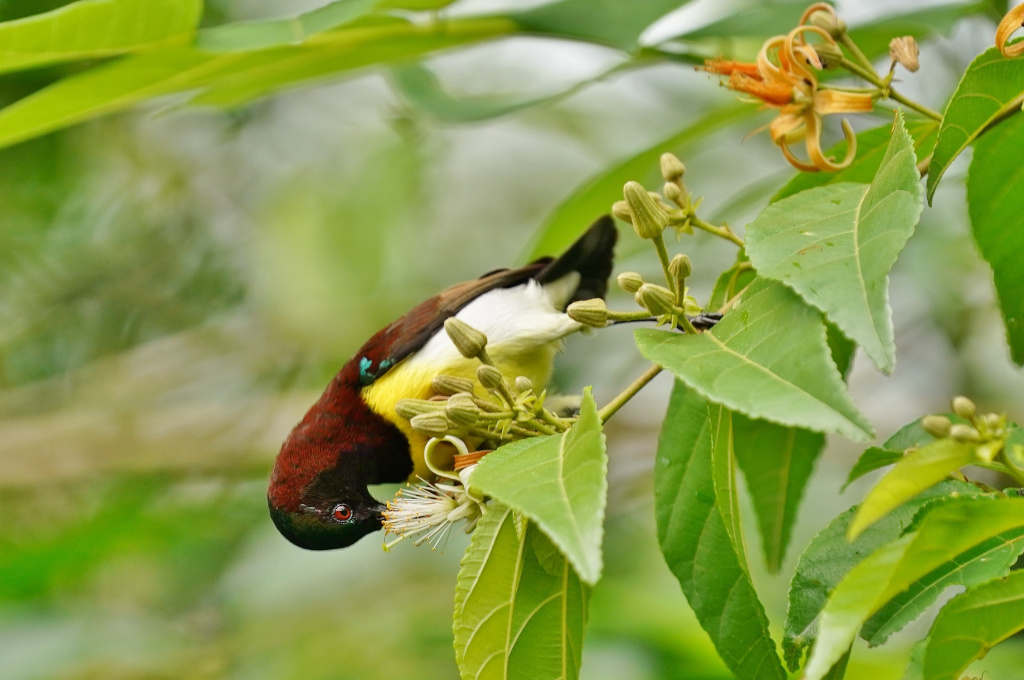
point(176, 286)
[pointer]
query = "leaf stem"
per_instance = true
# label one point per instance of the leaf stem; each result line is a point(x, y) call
point(609, 409)
point(723, 231)
point(887, 91)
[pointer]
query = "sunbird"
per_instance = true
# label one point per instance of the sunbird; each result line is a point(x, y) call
point(352, 437)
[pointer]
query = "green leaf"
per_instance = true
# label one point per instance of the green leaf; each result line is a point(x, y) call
point(946, 532)
point(560, 483)
point(767, 359)
point(696, 542)
point(776, 462)
point(910, 435)
point(989, 559)
point(873, 38)
point(595, 196)
point(756, 21)
point(519, 611)
point(731, 281)
point(251, 35)
point(829, 557)
point(835, 245)
point(995, 196)
point(617, 23)
point(225, 77)
point(971, 624)
point(424, 90)
point(991, 89)
point(872, 146)
point(91, 29)
point(915, 472)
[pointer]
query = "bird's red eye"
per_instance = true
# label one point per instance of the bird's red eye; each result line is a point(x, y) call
point(342, 513)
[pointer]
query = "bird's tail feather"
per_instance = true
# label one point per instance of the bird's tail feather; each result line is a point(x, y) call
point(591, 257)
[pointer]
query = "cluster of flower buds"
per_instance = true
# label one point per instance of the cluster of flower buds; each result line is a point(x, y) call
point(988, 431)
point(491, 409)
point(651, 213)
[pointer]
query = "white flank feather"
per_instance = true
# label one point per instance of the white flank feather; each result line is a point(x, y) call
point(515, 320)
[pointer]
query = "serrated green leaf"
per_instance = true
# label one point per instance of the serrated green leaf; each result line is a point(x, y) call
point(616, 23)
point(767, 359)
point(697, 545)
point(871, 149)
point(995, 197)
point(516, 616)
point(776, 461)
point(560, 483)
point(915, 472)
point(971, 624)
point(835, 245)
point(731, 281)
point(91, 29)
point(945, 532)
point(224, 78)
point(989, 559)
point(829, 557)
point(595, 196)
point(910, 435)
point(252, 35)
point(991, 89)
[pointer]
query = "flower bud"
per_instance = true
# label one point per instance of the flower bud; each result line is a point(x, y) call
point(680, 267)
point(829, 55)
point(591, 312)
point(630, 281)
point(430, 424)
point(410, 408)
point(825, 18)
point(657, 299)
point(620, 209)
point(524, 384)
point(462, 410)
point(672, 192)
point(936, 426)
point(995, 422)
point(468, 340)
point(905, 52)
point(964, 407)
point(451, 384)
point(489, 377)
point(649, 218)
point(964, 433)
point(672, 168)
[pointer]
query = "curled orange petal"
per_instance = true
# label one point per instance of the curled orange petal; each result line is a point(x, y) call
point(836, 101)
point(815, 153)
point(1013, 20)
point(726, 67)
point(784, 125)
point(794, 161)
point(817, 7)
point(771, 93)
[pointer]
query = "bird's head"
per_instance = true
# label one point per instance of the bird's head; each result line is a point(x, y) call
point(324, 521)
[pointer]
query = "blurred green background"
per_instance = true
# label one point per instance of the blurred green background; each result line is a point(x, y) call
point(178, 285)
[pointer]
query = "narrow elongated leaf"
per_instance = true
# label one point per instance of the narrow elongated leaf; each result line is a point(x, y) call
point(945, 532)
point(560, 483)
point(871, 149)
point(237, 75)
point(873, 458)
point(520, 610)
point(876, 457)
point(835, 245)
point(829, 557)
point(595, 196)
point(971, 624)
point(995, 196)
point(914, 473)
point(777, 461)
point(991, 89)
point(767, 359)
point(251, 35)
point(617, 23)
point(90, 29)
point(696, 541)
point(989, 559)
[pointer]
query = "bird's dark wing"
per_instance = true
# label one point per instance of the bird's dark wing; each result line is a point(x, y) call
point(591, 256)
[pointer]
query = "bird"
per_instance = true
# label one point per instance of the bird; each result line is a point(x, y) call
point(352, 437)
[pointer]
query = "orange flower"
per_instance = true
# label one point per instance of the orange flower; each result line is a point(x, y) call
point(785, 78)
point(1013, 20)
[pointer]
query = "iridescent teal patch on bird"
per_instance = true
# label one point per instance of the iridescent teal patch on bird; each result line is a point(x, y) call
point(367, 372)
